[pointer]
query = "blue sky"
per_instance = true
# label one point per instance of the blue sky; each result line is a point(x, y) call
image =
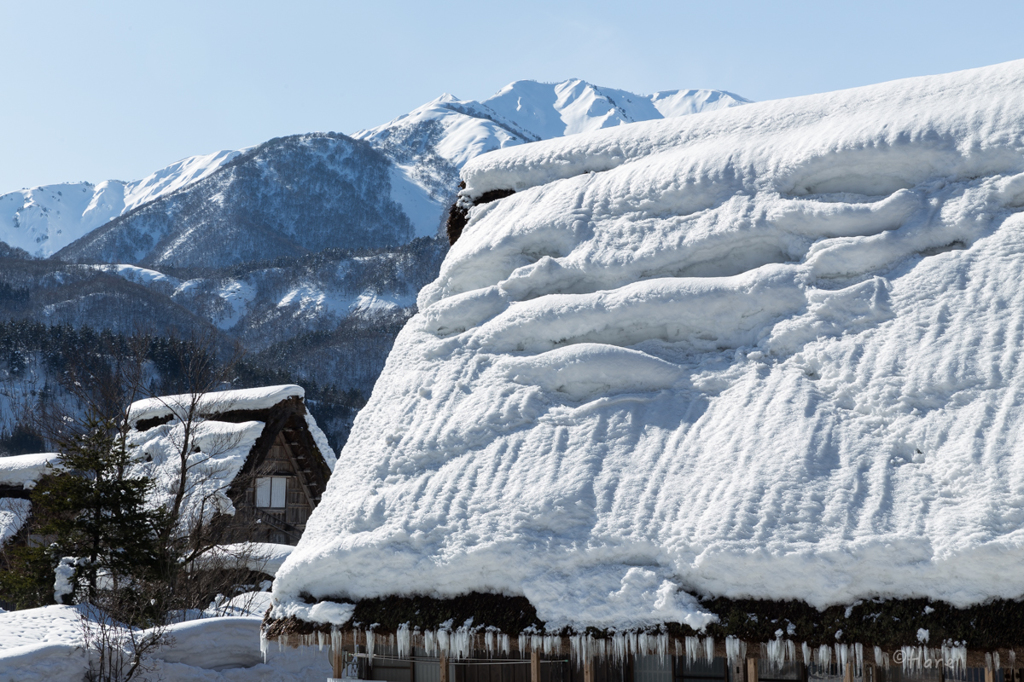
point(118, 89)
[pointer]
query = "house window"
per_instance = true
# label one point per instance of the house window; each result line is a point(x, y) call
point(270, 492)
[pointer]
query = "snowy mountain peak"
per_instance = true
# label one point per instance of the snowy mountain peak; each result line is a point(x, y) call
point(426, 147)
point(177, 175)
point(528, 111)
point(43, 220)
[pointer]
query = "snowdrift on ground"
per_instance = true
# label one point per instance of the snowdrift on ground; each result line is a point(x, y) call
point(773, 351)
point(48, 643)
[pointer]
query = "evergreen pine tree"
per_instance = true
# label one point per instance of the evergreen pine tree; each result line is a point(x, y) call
point(95, 511)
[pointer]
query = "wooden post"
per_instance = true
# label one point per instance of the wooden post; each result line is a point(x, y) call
point(737, 673)
point(337, 655)
point(444, 668)
point(990, 674)
point(751, 670)
point(336, 665)
point(588, 669)
point(848, 672)
point(535, 666)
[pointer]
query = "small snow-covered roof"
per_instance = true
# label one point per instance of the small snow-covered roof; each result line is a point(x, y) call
point(214, 402)
point(219, 450)
point(769, 352)
point(25, 470)
point(14, 513)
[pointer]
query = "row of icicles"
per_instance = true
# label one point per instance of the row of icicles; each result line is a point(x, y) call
point(462, 642)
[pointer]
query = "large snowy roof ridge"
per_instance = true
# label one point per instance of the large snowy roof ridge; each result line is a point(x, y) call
point(562, 158)
point(769, 353)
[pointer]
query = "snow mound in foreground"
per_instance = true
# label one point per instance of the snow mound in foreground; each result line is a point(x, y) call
point(48, 643)
point(772, 351)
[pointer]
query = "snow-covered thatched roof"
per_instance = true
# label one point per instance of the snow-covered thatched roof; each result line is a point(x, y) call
point(770, 352)
point(25, 470)
point(215, 402)
point(14, 513)
point(19, 473)
point(221, 448)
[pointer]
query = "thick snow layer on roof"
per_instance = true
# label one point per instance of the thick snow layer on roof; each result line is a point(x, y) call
point(25, 470)
point(773, 351)
point(219, 402)
point(263, 557)
point(215, 402)
point(13, 515)
point(219, 449)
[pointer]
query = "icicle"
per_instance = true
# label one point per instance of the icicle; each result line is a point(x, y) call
point(522, 644)
point(679, 649)
point(912, 656)
point(858, 652)
point(444, 643)
point(735, 650)
point(552, 645)
point(661, 644)
point(842, 658)
point(461, 643)
point(263, 644)
point(430, 642)
point(506, 644)
point(692, 649)
point(536, 643)
point(402, 640)
point(642, 647)
point(988, 661)
point(582, 648)
point(619, 650)
point(1012, 657)
point(489, 643)
point(805, 651)
point(774, 652)
point(709, 649)
point(371, 643)
point(995, 660)
point(824, 656)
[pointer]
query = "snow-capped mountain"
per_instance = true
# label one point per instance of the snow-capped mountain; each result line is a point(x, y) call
point(424, 148)
point(528, 111)
point(286, 197)
point(43, 220)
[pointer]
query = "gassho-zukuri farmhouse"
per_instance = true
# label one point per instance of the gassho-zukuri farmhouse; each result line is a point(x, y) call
point(728, 396)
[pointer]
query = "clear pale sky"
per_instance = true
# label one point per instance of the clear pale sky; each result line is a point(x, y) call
point(111, 89)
